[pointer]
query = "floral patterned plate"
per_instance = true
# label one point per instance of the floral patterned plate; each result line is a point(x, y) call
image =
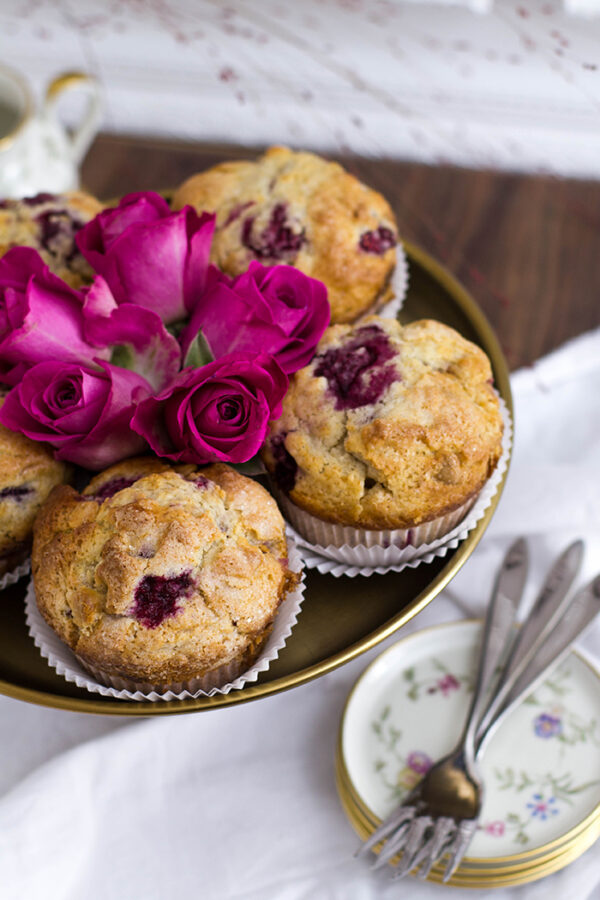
point(541, 769)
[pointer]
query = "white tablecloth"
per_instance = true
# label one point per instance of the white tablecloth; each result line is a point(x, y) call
point(240, 802)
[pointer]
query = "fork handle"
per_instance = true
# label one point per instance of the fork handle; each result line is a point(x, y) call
point(499, 623)
point(541, 621)
point(582, 609)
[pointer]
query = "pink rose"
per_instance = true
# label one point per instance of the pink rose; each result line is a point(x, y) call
point(219, 412)
point(41, 317)
point(81, 411)
point(137, 336)
point(150, 256)
point(276, 309)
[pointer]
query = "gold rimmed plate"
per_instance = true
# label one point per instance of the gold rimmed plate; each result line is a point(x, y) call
point(541, 769)
point(340, 618)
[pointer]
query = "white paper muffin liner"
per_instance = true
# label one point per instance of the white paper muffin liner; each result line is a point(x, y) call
point(399, 284)
point(66, 663)
point(342, 550)
point(12, 577)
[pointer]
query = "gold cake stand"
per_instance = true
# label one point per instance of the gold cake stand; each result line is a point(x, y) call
point(341, 617)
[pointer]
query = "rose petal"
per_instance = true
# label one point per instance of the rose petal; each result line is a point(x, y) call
point(94, 432)
point(185, 423)
point(149, 348)
point(149, 256)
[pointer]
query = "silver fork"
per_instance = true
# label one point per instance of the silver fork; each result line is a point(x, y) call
point(440, 815)
point(436, 802)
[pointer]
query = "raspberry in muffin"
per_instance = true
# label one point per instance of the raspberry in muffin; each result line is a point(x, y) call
point(49, 224)
point(160, 575)
point(299, 209)
point(28, 472)
point(389, 427)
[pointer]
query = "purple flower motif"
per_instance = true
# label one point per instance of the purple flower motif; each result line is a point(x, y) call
point(542, 808)
point(419, 762)
point(547, 726)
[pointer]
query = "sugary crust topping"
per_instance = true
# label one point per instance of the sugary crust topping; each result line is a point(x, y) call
point(423, 438)
point(297, 208)
point(49, 223)
point(28, 472)
point(176, 574)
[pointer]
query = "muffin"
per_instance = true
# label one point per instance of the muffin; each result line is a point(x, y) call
point(162, 577)
point(299, 209)
point(389, 427)
point(49, 223)
point(28, 472)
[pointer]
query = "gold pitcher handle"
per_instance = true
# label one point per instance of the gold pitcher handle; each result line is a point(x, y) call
point(84, 132)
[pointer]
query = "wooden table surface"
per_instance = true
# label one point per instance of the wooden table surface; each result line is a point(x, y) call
point(527, 247)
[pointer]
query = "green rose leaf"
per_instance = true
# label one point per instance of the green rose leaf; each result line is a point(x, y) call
point(199, 353)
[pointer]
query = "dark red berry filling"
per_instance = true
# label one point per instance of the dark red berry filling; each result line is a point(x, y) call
point(286, 467)
point(356, 372)
point(156, 598)
point(16, 493)
point(113, 487)
point(276, 241)
point(38, 199)
point(201, 481)
point(236, 212)
point(379, 241)
point(57, 224)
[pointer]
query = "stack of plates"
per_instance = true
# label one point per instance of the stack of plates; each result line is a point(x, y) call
point(541, 769)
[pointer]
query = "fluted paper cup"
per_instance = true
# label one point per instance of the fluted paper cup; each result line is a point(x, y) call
point(399, 285)
point(15, 574)
point(345, 550)
point(220, 681)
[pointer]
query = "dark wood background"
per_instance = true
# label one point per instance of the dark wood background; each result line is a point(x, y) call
point(527, 247)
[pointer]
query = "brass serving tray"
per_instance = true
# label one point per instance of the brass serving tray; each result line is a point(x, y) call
point(341, 617)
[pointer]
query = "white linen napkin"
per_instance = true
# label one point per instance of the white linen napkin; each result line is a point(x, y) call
point(240, 803)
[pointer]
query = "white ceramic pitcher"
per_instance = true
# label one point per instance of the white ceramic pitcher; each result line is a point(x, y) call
point(37, 153)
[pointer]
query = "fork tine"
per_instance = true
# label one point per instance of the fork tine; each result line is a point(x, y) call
point(440, 841)
point(396, 820)
point(395, 843)
point(466, 830)
point(413, 845)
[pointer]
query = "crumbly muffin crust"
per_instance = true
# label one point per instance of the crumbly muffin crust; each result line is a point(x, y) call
point(299, 209)
point(161, 574)
point(49, 223)
point(28, 472)
point(388, 427)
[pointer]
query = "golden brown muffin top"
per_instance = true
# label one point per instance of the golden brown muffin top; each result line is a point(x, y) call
point(49, 224)
point(389, 426)
point(160, 574)
point(28, 472)
point(299, 209)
